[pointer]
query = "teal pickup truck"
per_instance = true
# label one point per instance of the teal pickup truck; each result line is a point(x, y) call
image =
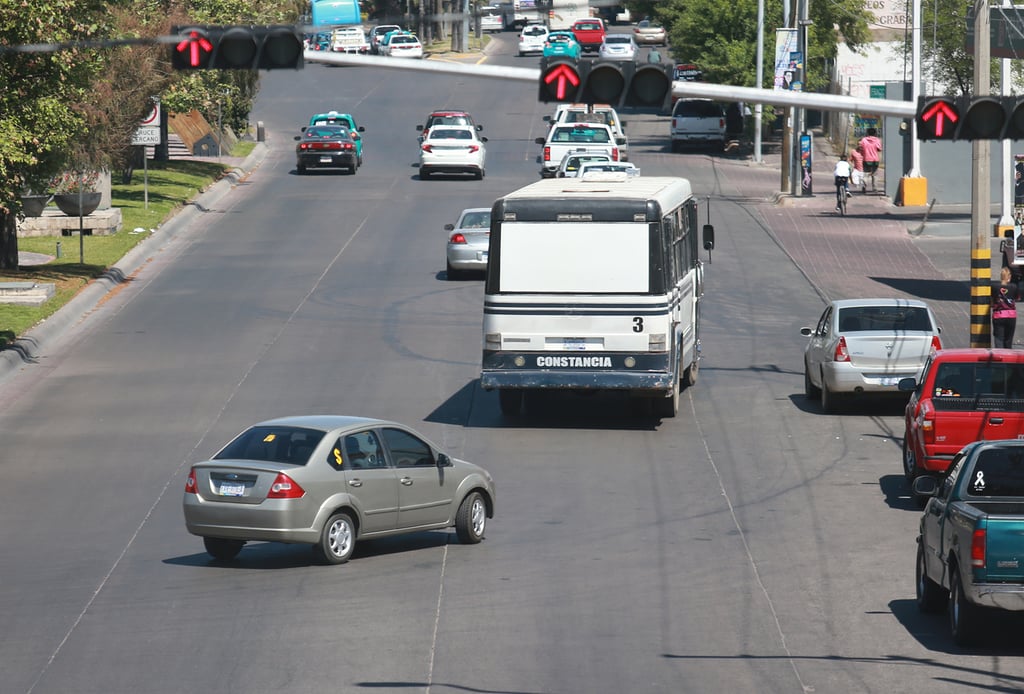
point(970, 551)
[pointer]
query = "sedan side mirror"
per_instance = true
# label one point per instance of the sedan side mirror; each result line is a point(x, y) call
point(419, 128)
point(449, 227)
point(483, 139)
point(362, 129)
point(443, 460)
point(540, 140)
point(479, 128)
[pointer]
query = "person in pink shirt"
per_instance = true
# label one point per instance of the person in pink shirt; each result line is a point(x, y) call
point(857, 164)
point(871, 147)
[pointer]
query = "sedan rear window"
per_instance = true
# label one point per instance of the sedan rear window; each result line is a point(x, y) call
point(277, 444)
point(697, 109)
point(887, 318)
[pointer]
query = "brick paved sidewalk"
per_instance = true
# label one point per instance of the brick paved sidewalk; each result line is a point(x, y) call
point(869, 252)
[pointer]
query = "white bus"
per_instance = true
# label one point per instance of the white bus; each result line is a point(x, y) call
point(594, 285)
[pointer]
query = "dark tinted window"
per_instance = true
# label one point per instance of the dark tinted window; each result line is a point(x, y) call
point(697, 109)
point(278, 444)
point(998, 472)
point(888, 318)
point(979, 385)
point(407, 450)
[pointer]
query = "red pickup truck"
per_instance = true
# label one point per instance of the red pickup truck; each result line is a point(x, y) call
point(964, 395)
point(589, 33)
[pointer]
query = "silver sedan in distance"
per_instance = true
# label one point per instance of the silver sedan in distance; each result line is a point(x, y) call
point(468, 241)
point(327, 481)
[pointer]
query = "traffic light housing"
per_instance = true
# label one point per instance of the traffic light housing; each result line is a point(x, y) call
point(616, 82)
point(970, 118)
point(213, 47)
point(561, 80)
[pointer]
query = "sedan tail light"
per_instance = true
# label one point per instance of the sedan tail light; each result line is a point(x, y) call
point(191, 487)
point(457, 238)
point(284, 487)
point(474, 148)
point(936, 344)
point(427, 148)
point(841, 353)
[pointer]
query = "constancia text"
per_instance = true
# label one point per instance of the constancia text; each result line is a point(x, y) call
point(575, 362)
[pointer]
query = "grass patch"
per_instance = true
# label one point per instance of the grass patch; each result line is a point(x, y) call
point(171, 185)
point(475, 44)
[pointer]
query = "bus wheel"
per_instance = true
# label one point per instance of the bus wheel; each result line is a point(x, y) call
point(511, 401)
point(690, 375)
point(667, 408)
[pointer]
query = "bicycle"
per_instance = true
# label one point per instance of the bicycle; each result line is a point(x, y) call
point(841, 195)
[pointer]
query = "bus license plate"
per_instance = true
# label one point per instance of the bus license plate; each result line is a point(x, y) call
point(574, 343)
point(232, 489)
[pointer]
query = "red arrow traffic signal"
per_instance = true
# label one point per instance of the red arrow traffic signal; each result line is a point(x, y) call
point(562, 75)
point(192, 52)
point(937, 118)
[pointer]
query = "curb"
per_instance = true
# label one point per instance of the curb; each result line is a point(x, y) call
point(26, 349)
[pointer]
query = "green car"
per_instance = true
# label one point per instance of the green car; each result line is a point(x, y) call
point(346, 120)
point(562, 44)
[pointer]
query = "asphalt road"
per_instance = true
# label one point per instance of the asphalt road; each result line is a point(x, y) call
point(750, 545)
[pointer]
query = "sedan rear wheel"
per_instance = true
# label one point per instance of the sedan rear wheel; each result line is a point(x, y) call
point(471, 520)
point(300, 169)
point(424, 174)
point(338, 539)
point(221, 549)
point(812, 391)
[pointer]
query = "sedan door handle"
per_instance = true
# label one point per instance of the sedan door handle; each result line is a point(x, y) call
point(355, 483)
point(407, 481)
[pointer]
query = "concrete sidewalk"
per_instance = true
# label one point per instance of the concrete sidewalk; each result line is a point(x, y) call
point(877, 249)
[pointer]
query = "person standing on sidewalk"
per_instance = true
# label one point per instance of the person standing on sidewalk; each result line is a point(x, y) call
point(1004, 310)
point(871, 148)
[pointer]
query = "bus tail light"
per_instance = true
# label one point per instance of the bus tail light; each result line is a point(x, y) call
point(492, 341)
point(656, 342)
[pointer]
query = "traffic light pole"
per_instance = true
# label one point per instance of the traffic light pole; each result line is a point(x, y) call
point(981, 195)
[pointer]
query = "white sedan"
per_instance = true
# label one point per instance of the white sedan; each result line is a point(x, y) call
point(862, 346)
point(618, 47)
point(452, 149)
point(532, 39)
point(405, 46)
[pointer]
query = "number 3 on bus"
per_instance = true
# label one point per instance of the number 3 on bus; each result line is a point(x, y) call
point(594, 285)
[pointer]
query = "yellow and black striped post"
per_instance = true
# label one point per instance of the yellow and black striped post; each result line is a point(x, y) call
point(981, 297)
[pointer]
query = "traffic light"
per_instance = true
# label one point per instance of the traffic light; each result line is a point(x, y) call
point(970, 118)
point(616, 82)
point(560, 80)
point(210, 47)
point(937, 117)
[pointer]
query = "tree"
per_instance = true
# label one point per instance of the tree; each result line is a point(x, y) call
point(38, 123)
point(721, 36)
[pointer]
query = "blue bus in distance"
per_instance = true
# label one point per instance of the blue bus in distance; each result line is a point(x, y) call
point(335, 12)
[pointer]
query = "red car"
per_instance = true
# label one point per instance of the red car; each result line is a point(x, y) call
point(965, 395)
point(589, 34)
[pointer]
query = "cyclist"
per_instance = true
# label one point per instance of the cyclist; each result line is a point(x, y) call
point(842, 177)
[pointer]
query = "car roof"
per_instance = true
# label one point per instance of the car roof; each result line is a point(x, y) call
point(894, 301)
point(979, 353)
point(449, 113)
point(324, 422)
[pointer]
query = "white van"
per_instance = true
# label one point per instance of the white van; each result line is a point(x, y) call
point(490, 19)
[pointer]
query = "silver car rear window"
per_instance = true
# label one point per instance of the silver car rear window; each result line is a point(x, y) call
point(277, 444)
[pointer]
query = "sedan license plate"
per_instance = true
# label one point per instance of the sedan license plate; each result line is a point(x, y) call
point(482, 256)
point(888, 381)
point(231, 489)
point(325, 160)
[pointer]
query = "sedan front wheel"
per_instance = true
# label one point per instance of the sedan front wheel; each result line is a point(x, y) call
point(471, 520)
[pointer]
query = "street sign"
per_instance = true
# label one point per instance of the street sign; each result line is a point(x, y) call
point(876, 91)
point(146, 136)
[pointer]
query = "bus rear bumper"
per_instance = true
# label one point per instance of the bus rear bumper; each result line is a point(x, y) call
point(583, 370)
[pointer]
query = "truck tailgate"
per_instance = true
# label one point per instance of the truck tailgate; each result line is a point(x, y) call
point(1004, 540)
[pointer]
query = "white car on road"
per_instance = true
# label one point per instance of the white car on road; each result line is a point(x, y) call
point(532, 39)
point(452, 149)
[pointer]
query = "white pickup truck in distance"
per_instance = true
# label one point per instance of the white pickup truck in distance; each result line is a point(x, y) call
point(568, 138)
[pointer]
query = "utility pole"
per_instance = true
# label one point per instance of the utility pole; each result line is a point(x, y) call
point(981, 195)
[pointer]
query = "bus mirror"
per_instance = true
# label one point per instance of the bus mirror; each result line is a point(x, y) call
point(709, 237)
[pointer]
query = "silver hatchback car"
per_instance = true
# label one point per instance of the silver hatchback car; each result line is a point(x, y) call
point(468, 241)
point(327, 481)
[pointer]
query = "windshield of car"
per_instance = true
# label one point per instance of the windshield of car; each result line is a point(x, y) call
point(693, 108)
point(573, 162)
point(446, 134)
point(617, 38)
point(579, 133)
point(476, 220)
point(885, 318)
point(403, 39)
point(534, 31)
point(278, 444)
point(447, 120)
point(587, 26)
point(325, 131)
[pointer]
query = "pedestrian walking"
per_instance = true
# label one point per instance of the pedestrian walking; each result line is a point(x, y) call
point(870, 148)
point(654, 56)
point(1004, 310)
point(857, 164)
